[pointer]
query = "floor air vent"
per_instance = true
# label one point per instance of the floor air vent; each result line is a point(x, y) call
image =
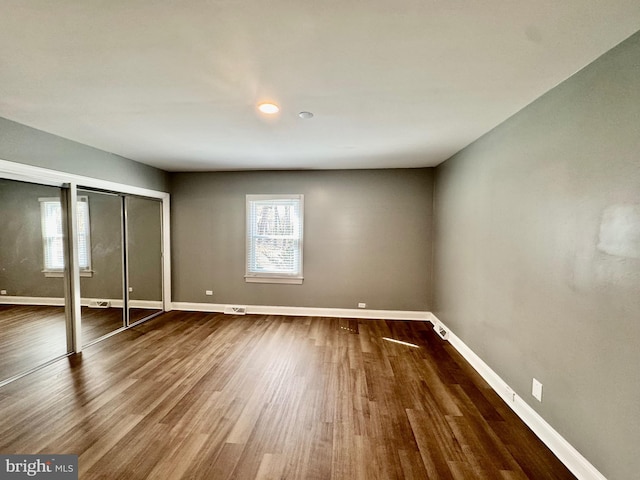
point(99, 304)
point(441, 331)
point(235, 310)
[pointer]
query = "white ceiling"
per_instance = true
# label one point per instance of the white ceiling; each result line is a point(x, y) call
point(392, 83)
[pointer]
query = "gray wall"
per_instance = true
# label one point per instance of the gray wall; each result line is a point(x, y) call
point(105, 213)
point(537, 256)
point(21, 249)
point(144, 225)
point(22, 144)
point(367, 238)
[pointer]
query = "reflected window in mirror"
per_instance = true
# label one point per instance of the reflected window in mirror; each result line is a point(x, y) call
point(53, 238)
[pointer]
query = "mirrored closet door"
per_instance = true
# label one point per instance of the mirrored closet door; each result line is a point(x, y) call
point(33, 260)
point(120, 258)
point(144, 257)
point(101, 263)
point(67, 285)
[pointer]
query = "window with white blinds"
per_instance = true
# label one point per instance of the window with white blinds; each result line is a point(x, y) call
point(274, 238)
point(52, 235)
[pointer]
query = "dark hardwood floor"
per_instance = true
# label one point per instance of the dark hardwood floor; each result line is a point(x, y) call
point(209, 396)
point(31, 335)
point(97, 322)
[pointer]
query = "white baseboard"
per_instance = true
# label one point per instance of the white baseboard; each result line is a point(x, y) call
point(573, 460)
point(149, 304)
point(308, 311)
point(56, 302)
point(39, 301)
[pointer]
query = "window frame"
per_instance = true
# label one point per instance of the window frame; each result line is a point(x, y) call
point(252, 276)
point(85, 271)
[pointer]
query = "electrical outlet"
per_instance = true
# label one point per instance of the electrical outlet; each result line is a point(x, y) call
point(536, 390)
point(362, 305)
point(130, 289)
point(511, 395)
point(208, 292)
point(3, 292)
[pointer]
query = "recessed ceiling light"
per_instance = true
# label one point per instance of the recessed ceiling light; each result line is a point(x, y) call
point(305, 115)
point(269, 108)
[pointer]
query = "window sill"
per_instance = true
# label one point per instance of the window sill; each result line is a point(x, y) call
point(285, 280)
point(60, 274)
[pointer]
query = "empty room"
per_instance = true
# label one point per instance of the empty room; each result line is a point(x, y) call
point(298, 240)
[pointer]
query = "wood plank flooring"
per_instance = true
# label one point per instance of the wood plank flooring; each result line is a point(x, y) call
point(211, 396)
point(31, 335)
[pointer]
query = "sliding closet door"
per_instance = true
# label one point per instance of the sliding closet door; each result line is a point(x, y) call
point(47, 311)
point(33, 328)
point(144, 257)
point(100, 239)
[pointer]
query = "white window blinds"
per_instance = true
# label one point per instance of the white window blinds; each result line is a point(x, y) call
point(274, 238)
point(52, 235)
point(84, 234)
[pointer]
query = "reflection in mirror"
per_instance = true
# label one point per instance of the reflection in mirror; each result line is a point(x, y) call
point(144, 253)
point(32, 276)
point(100, 259)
